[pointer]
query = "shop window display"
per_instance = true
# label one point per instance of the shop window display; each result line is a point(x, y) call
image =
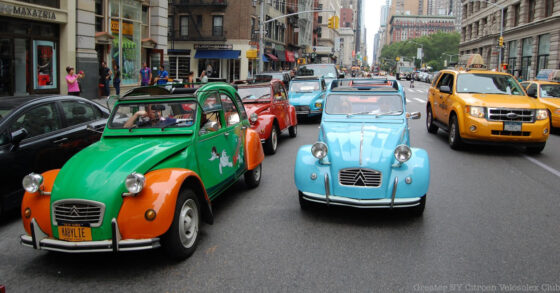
point(126, 28)
point(44, 59)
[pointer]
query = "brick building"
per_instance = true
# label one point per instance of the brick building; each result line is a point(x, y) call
point(404, 27)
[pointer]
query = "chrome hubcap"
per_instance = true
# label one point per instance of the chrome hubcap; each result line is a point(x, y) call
point(452, 133)
point(188, 223)
point(429, 118)
point(274, 138)
point(257, 173)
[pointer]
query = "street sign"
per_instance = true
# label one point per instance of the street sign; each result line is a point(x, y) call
point(419, 53)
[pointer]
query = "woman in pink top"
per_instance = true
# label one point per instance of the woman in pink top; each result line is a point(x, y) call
point(72, 81)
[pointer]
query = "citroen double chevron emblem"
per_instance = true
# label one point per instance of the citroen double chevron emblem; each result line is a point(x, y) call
point(74, 211)
point(359, 179)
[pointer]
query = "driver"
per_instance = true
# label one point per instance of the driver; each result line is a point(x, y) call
point(149, 117)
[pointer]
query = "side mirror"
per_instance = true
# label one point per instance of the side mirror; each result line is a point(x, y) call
point(17, 136)
point(211, 126)
point(445, 89)
point(341, 75)
point(532, 92)
point(413, 115)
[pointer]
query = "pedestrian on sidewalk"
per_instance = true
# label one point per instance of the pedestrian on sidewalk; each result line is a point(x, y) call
point(190, 80)
point(117, 79)
point(105, 78)
point(145, 75)
point(72, 81)
point(203, 77)
point(411, 82)
point(163, 75)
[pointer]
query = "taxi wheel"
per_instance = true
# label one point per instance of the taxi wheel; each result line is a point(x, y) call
point(303, 204)
point(271, 144)
point(418, 210)
point(454, 135)
point(432, 128)
point(293, 131)
point(253, 177)
point(181, 239)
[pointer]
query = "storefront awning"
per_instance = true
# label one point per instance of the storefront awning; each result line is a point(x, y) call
point(272, 57)
point(281, 55)
point(217, 54)
point(149, 43)
point(290, 56)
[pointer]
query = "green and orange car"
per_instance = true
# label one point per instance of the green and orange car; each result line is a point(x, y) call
point(164, 155)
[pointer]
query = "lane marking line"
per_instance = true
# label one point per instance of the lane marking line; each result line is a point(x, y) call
point(543, 165)
point(419, 100)
point(408, 101)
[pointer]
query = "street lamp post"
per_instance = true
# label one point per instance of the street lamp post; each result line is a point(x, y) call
point(421, 55)
point(501, 28)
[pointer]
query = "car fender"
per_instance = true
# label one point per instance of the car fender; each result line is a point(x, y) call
point(292, 114)
point(417, 168)
point(459, 111)
point(39, 204)
point(264, 125)
point(306, 165)
point(254, 154)
point(160, 194)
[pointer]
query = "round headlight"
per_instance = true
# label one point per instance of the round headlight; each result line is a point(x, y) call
point(319, 150)
point(32, 182)
point(135, 182)
point(402, 153)
point(253, 117)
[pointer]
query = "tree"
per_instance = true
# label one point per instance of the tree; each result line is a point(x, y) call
point(434, 46)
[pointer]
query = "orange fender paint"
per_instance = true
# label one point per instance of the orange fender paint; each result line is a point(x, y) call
point(40, 205)
point(254, 154)
point(160, 194)
point(293, 115)
point(264, 127)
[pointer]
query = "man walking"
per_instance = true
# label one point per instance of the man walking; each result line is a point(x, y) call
point(145, 75)
point(105, 78)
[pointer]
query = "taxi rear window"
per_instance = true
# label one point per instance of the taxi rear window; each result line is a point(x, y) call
point(483, 83)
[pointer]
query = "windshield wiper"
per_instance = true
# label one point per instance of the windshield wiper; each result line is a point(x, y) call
point(371, 113)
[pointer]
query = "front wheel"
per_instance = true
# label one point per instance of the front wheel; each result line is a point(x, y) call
point(430, 121)
point(253, 177)
point(292, 130)
point(182, 237)
point(271, 144)
point(454, 134)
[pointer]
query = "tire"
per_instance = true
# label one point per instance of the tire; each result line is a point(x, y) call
point(304, 204)
point(292, 130)
point(454, 138)
point(271, 144)
point(430, 126)
point(253, 177)
point(418, 210)
point(181, 239)
point(536, 149)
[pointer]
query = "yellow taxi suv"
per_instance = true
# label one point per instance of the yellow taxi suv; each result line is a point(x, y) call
point(482, 106)
point(546, 88)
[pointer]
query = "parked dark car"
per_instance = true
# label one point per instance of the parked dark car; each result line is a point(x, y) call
point(40, 133)
point(268, 76)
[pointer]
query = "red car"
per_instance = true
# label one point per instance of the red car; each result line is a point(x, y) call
point(269, 111)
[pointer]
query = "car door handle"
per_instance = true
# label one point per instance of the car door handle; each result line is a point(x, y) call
point(60, 140)
point(243, 127)
point(226, 134)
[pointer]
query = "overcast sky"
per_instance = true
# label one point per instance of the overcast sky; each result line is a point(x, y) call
point(372, 13)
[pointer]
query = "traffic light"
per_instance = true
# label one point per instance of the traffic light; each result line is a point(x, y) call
point(504, 66)
point(501, 41)
point(336, 22)
point(331, 22)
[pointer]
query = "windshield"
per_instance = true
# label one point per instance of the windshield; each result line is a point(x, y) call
point(482, 83)
point(323, 70)
point(550, 91)
point(254, 94)
point(364, 104)
point(4, 112)
point(153, 115)
point(304, 86)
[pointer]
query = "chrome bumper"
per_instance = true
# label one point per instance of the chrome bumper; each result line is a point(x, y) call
point(40, 240)
point(392, 202)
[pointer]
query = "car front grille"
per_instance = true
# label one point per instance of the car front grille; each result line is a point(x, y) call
point(504, 114)
point(511, 133)
point(78, 212)
point(302, 108)
point(359, 177)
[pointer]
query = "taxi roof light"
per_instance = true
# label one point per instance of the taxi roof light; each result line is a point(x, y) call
point(471, 61)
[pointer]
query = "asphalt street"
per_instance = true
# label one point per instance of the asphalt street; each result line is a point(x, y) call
point(491, 219)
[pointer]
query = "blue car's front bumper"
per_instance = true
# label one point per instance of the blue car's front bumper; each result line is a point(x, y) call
point(307, 111)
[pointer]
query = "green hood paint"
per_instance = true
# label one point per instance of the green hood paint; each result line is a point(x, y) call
point(98, 172)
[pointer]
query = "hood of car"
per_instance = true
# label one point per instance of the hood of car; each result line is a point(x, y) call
point(501, 101)
point(553, 102)
point(304, 98)
point(98, 172)
point(256, 108)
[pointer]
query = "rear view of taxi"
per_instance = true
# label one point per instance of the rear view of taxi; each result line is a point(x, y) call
point(546, 88)
point(482, 106)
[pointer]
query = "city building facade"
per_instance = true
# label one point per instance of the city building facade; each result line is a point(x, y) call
point(531, 32)
point(404, 27)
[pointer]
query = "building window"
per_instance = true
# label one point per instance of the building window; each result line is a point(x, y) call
point(504, 18)
point(512, 57)
point(170, 28)
point(44, 71)
point(320, 19)
point(544, 51)
point(49, 3)
point(548, 8)
point(99, 16)
point(516, 15)
point(145, 22)
point(527, 52)
point(179, 66)
point(532, 6)
point(184, 26)
point(199, 20)
point(126, 26)
point(218, 26)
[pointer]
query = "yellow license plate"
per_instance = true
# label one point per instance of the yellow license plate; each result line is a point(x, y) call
point(74, 233)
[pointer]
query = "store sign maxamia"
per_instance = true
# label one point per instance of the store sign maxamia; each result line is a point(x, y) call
point(32, 13)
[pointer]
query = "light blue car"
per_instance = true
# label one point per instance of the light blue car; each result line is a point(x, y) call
point(306, 95)
point(363, 157)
